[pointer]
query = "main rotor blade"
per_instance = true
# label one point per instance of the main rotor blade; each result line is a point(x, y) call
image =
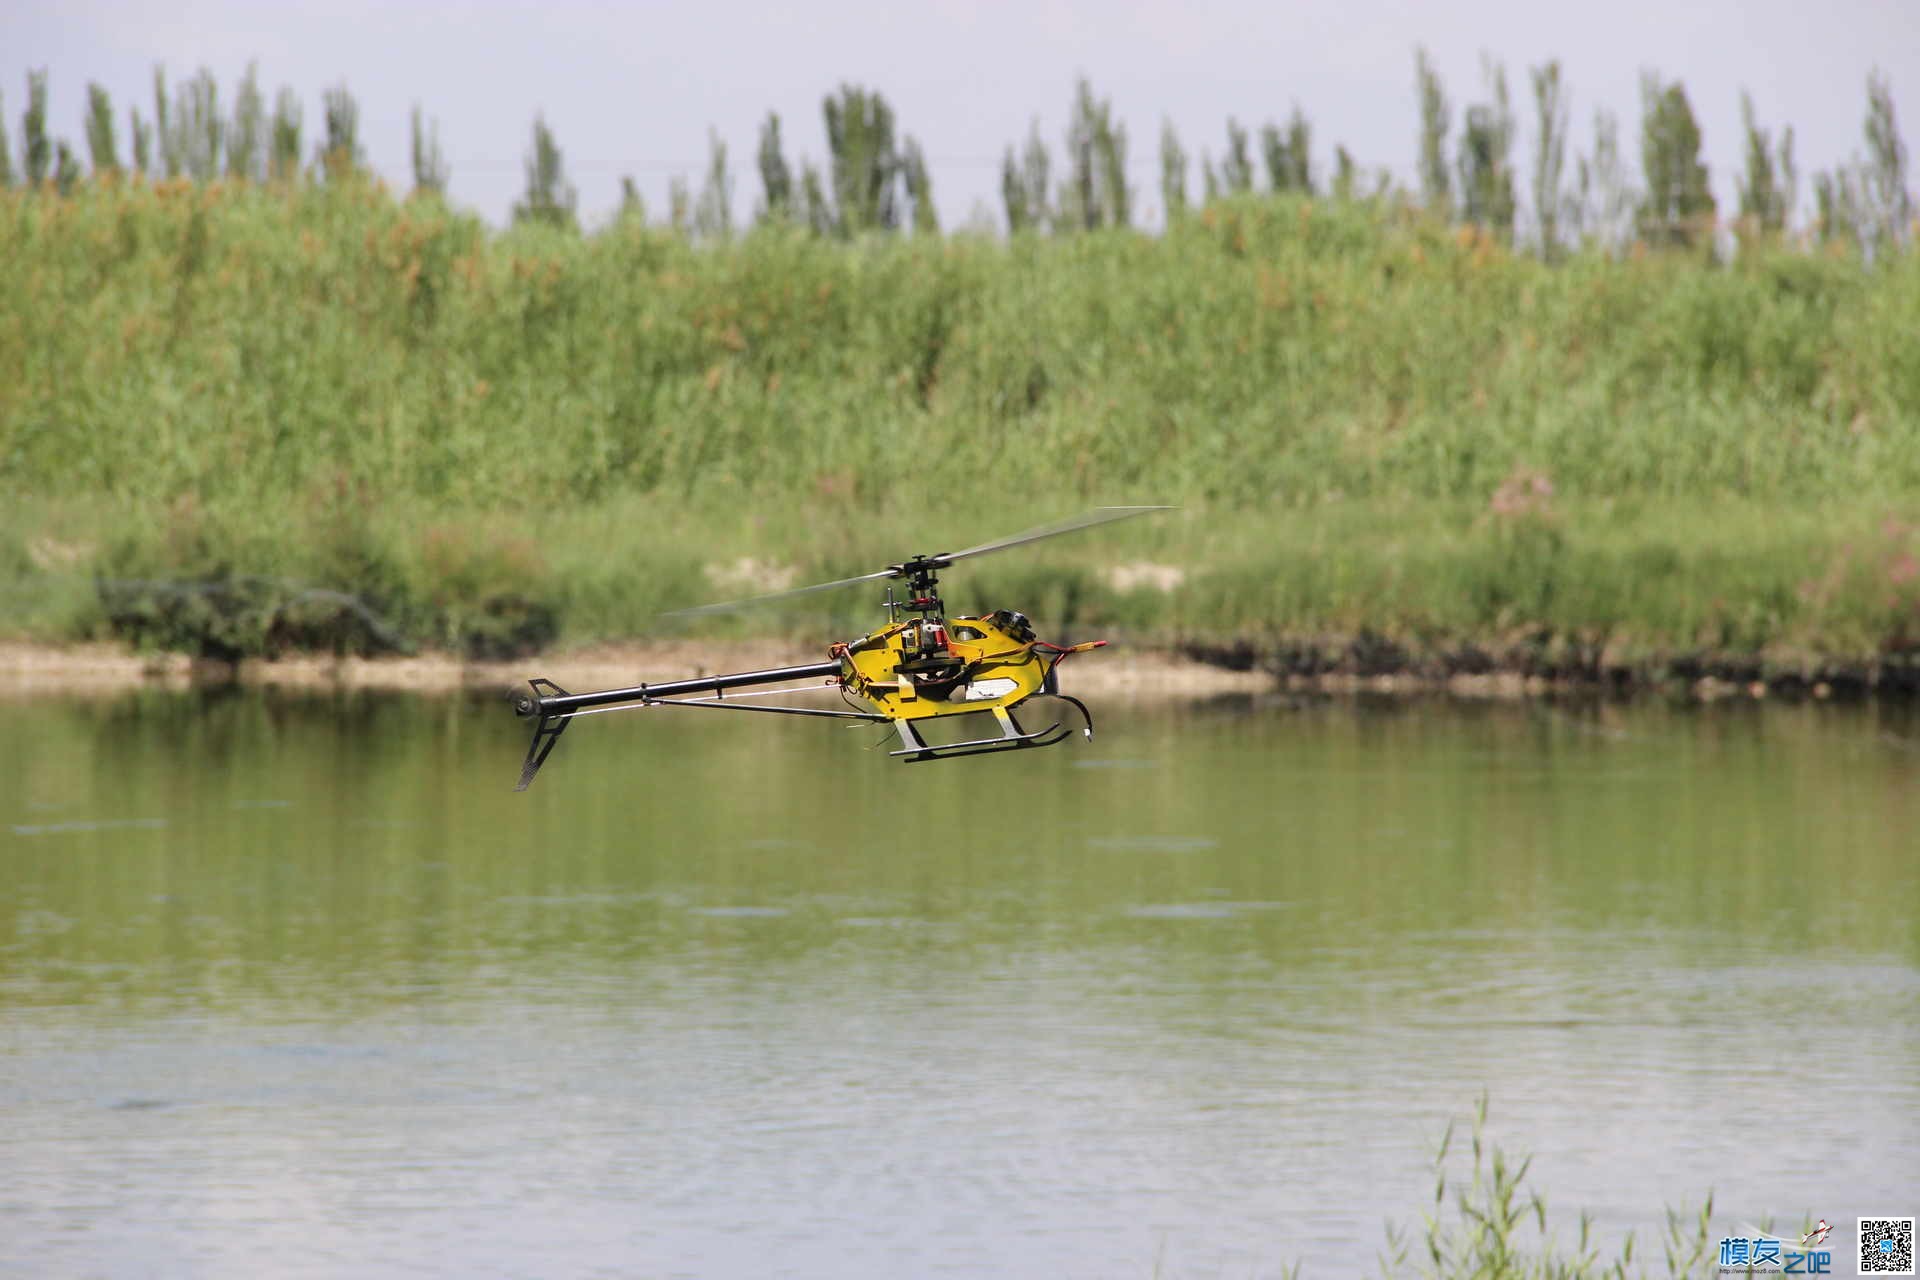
point(1085, 520)
point(752, 601)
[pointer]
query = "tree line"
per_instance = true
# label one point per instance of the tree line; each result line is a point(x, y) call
point(876, 179)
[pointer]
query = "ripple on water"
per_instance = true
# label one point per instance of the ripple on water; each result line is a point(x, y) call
point(1201, 910)
point(102, 824)
point(739, 913)
point(1151, 844)
point(1183, 911)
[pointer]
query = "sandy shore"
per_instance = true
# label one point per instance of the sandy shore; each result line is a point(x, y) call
point(28, 669)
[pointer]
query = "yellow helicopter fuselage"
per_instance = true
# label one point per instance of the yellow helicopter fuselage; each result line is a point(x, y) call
point(925, 667)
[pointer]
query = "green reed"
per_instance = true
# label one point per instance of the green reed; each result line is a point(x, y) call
point(1374, 424)
point(1490, 1224)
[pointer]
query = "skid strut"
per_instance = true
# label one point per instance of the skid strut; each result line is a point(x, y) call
point(1012, 738)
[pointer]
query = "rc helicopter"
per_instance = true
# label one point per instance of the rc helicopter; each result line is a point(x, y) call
point(920, 666)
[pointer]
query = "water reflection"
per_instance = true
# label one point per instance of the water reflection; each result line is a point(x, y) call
point(302, 975)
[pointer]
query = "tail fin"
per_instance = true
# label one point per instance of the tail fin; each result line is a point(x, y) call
point(529, 702)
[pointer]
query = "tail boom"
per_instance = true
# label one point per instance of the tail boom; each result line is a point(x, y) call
point(552, 708)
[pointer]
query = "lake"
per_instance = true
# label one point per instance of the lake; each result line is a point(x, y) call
point(298, 985)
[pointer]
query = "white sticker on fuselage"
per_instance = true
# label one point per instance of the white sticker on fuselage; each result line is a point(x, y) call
point(986, 690)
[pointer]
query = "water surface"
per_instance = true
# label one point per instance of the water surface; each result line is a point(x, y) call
point(301, 980)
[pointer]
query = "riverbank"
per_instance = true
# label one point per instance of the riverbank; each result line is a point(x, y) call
point(33, 670)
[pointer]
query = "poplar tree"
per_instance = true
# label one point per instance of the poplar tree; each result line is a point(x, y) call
point(1885, 176)
point(679, 207)
point(1606, 199)
point(1173, 173)
point(142, 142)
point(713, 213)
point(170, 159)
point(102, 147)
point(1346, 174)
point(1549, 156)
point(913, 171)
point(1678, 206)
point(1235, 176)
point(1840, 207)
point(340, 155)
point(1110, 149)
point(776, 179)
point(1823, 210)
point(817, 210)
point(36, 150)
point(1435, 120)
point(1094, 192)
point(865, 163)
point(1013, 194)
point(1289, 164)
point(1767, 186)
point(1023, 184)
point(66, 170)
point(550, 198)
point(1486, 167)
point(633, 210)
point(6, 153)
point(247, 135)
point(430, 171)
point(202, 131)
point(283, 161)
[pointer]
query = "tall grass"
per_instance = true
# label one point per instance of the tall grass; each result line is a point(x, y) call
point(1374, 424)
point(1487, 1223)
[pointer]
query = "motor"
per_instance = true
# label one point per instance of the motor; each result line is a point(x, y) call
point(1014, 624)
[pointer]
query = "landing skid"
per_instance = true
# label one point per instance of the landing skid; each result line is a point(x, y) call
point(1012, 738)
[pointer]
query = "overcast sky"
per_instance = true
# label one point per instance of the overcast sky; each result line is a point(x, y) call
point(634, 88)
